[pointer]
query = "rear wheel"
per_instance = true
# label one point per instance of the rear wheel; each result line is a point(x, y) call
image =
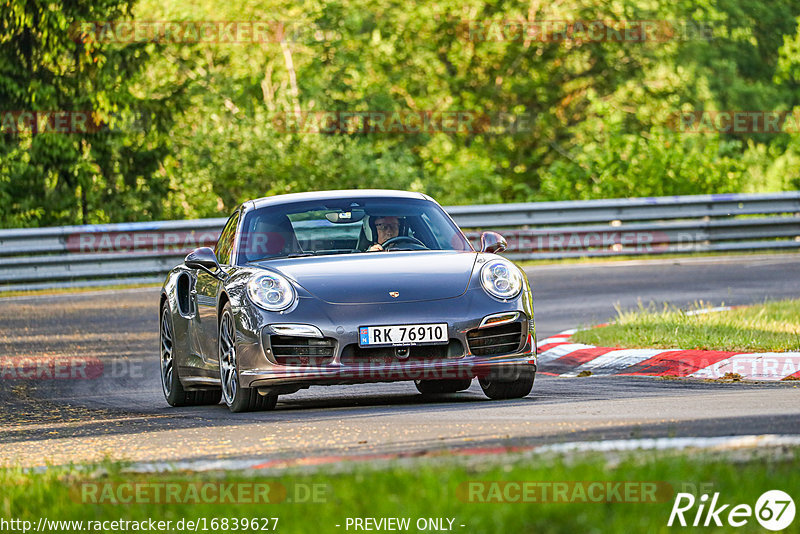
point(237, 398)
point(170, 381)
point(433, 387)
point(512, 389)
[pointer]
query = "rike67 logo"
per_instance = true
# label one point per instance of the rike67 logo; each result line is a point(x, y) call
point(774, 510)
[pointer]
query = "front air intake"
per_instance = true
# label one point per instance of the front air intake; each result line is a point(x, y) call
point(296, 350)
point(493, 340)
point(355, 355)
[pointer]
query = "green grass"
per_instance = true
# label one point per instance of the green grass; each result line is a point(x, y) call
point(771, 326)
point(426, 490)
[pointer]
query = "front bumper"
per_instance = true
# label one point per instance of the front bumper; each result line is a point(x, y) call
point(259, 368)
point(293, 378)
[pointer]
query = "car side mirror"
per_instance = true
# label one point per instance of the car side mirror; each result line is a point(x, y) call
point(203, 258)
point(492, 242)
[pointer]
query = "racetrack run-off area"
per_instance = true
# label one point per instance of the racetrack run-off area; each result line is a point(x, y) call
point(120, 412)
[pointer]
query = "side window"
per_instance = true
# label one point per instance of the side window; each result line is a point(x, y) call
point(226, 239)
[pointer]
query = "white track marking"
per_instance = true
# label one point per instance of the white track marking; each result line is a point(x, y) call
point(612, 362)
point(561, 350)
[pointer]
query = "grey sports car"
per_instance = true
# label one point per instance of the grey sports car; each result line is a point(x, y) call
point(344, 287)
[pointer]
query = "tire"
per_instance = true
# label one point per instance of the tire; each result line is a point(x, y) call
point(513, 389)
point(170, 380)
point(434, 387)
point(237, 398)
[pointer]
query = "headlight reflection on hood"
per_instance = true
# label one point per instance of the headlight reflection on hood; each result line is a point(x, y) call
point(501, 279)
point(271, 291)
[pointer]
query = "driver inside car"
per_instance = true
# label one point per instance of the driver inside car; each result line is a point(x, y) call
point(385, 228)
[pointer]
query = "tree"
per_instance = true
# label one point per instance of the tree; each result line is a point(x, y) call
point(80, 143)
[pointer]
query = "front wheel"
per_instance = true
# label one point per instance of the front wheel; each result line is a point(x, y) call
point(237, 398)
point(512, 389)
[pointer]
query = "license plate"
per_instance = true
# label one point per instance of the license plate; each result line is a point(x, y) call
point(405, 334)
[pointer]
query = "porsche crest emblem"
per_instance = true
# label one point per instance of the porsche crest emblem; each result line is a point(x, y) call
point(394, 294)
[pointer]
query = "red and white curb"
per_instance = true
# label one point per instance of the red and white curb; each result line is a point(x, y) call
point(558, 356)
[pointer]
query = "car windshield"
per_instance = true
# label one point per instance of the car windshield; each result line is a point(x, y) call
point(350, 226)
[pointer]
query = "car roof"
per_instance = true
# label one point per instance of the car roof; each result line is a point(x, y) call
point(335, 195)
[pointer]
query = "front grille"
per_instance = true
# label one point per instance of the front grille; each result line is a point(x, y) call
point(295, 350)
point(495, 339)
point(354, 354)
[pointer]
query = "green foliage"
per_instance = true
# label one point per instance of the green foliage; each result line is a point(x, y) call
point(656, 163)
point(78, 175)
point(599, 116)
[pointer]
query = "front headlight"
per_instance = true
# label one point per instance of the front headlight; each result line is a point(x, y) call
point(501, 279)
point(271, 291)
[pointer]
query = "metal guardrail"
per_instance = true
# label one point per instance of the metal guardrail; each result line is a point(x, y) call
point(143, 252)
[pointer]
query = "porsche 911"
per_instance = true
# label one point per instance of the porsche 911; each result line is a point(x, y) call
point(344, 287)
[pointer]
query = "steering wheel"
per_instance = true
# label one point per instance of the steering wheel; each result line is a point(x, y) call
point(399, 239)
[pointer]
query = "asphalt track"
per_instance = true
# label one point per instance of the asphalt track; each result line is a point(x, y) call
point(122, 414)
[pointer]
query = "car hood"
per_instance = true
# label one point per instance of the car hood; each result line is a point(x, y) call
point(371, 277)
